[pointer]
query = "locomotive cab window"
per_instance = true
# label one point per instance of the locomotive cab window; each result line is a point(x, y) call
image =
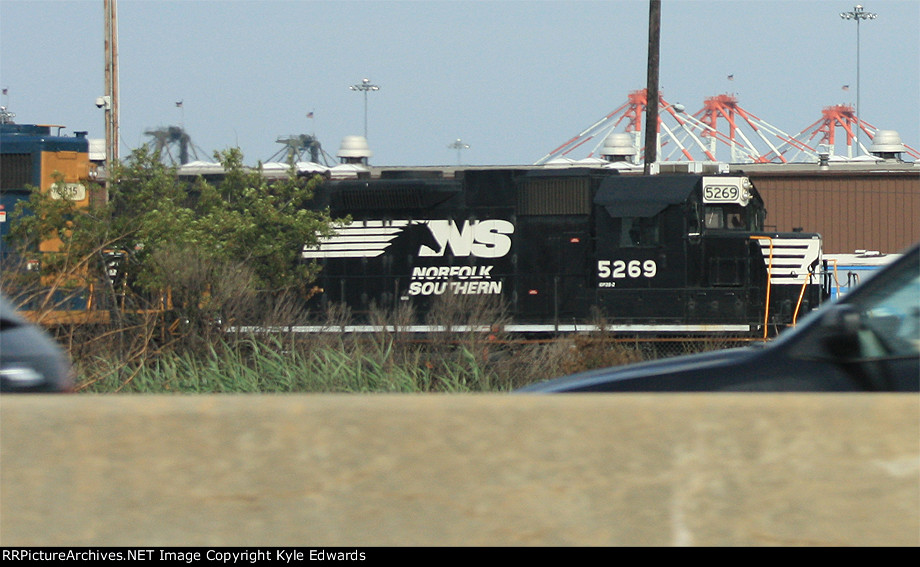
point(726, 217)
point(639, 231)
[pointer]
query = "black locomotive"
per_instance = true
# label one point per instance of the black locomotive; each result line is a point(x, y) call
point(566, 249)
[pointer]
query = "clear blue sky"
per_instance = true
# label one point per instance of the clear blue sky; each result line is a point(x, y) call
point(513, 79)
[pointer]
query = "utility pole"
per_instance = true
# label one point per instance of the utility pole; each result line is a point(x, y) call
point(111, 85)
point(651, 89)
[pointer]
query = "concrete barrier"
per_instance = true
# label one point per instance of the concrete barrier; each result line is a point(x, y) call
point(459, 470)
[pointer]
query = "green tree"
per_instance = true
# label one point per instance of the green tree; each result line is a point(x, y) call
point(210, 246)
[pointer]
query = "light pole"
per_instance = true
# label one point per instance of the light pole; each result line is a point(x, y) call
point(459, 145)
point(857, 14)
point(365, 86)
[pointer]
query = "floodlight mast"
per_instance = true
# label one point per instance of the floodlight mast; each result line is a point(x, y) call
point(365, 86)
point(459, 145)
point(857, 14)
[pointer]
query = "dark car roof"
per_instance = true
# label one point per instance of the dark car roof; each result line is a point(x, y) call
point(595, 379)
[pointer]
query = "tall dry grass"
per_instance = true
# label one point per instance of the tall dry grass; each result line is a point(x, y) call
point(155, 352)
point(471, 354)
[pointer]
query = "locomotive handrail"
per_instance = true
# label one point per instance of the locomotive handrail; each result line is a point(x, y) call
point(852, 278)
point(766, 311)
point(798, 304)
point(836, 279)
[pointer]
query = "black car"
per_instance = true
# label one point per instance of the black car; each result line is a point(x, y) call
point(30, 360)
point(869, 340)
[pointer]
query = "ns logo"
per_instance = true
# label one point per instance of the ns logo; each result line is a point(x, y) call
point(483, 239)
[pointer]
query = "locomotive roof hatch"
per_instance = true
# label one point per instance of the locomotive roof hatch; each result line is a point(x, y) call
point(392, 194)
